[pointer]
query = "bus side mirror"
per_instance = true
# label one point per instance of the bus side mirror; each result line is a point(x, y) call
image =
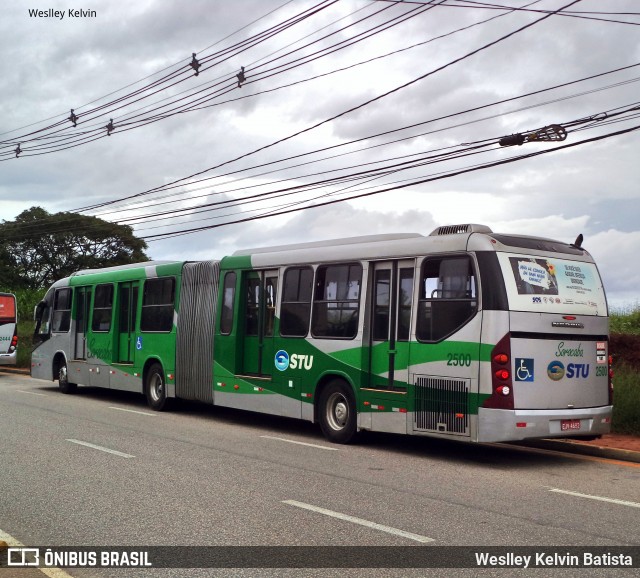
point(40, 334)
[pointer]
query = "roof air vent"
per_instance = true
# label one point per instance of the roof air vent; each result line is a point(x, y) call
point(460, 229)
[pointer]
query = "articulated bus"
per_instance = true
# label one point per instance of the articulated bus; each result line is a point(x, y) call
point(8, 329)
point(462, 334)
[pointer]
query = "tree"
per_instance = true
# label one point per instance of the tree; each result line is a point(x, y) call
point(39, 247)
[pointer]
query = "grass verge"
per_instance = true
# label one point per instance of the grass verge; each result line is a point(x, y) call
point(626, 400)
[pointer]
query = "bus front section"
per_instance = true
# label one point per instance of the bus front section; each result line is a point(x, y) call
point(545, 311)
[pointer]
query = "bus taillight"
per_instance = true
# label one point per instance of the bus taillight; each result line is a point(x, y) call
point(14, 342)
point(502, 387)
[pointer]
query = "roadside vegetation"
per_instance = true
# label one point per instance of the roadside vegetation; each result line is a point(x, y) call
point(625, 347)
point(626, 320)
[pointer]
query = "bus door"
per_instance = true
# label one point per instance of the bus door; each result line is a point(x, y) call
point(260, 293)
point(83, 302)
point(128, 307)
point(445, 359)
point(390, 324)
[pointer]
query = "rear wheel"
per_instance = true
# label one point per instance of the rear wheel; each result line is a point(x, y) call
point(155, 388)
point(337, 409)
point(63, 379)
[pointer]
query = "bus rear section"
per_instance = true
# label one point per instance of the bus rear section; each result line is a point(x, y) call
point(550, 367)
point(8, 329)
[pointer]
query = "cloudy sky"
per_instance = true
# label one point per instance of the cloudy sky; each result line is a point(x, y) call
point(401, 92)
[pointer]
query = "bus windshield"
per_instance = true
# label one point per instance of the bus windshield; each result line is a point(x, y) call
point(552, 285)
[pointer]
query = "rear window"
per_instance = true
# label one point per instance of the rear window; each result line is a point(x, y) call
point(553, 285)
point(7, 309)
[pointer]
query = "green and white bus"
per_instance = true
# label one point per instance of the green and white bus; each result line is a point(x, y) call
point(8, 329)
point(462, 334)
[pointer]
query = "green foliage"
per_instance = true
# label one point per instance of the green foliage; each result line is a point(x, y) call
point(626, 400)
point(626, 320)
point(39, 248)
point(25, 343)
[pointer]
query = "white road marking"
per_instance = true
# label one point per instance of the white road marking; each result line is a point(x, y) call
point(31, 392)
point(134, 411)
point(599, 498)
point(102, 449)
point(301, 443)
point(51, 572)
point(367, 523)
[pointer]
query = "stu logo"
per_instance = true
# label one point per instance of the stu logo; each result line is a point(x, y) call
point(296, 361)
point(556, 371)
point(301, 361)
point(578, 370)
point(282, 360)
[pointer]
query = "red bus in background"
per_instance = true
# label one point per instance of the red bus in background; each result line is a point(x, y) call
point(8, 329)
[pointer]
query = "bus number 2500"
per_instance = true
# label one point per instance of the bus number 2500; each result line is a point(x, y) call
point(459, 359)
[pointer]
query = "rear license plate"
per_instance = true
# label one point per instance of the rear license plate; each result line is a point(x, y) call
point(569, 424)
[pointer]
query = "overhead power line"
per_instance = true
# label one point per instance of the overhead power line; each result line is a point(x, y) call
point(454, 173)
point(182, 70)
point(583, 15)
point(343, 113)
point(367, 173)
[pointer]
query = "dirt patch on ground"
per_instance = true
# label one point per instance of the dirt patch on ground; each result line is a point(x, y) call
point(625, 349)
point(615, 441)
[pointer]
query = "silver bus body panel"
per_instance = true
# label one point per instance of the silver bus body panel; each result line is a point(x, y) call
point(500, 425)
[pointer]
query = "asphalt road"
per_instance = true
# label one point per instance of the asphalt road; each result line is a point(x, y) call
point(99, 468)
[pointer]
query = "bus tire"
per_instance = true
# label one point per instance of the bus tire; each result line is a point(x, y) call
point(337, 412)
point(155, 387)
point(63, 379)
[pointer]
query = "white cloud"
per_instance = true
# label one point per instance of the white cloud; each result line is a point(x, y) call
point(50, 66)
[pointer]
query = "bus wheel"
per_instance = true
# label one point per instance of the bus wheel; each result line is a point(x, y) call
point(155, 388)
point(338, 412)
point(63, 380)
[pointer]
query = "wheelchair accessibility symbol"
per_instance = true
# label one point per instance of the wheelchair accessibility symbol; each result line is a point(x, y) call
point(139, 343)
point(524, 369)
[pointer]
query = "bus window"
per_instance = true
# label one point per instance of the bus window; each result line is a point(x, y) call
point(157, 304)
point(62, 310)
point(382, 300)
point(7, 309)
point(252, 318)
point(102, 306)
point(552, 284)
point(336, 301)
point(296, 302)
point(404, 304)
point(270, 296)
point(226, 317)
point(447, 297)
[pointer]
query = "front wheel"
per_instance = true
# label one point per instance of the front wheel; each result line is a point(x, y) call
point(63, 380)
point(337, 409)
point(155, 388)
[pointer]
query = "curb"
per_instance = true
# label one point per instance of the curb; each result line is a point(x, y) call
point(18, 370)
point(584, 449)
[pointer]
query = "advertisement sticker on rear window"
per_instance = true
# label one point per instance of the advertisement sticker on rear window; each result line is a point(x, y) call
point(553, 285)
